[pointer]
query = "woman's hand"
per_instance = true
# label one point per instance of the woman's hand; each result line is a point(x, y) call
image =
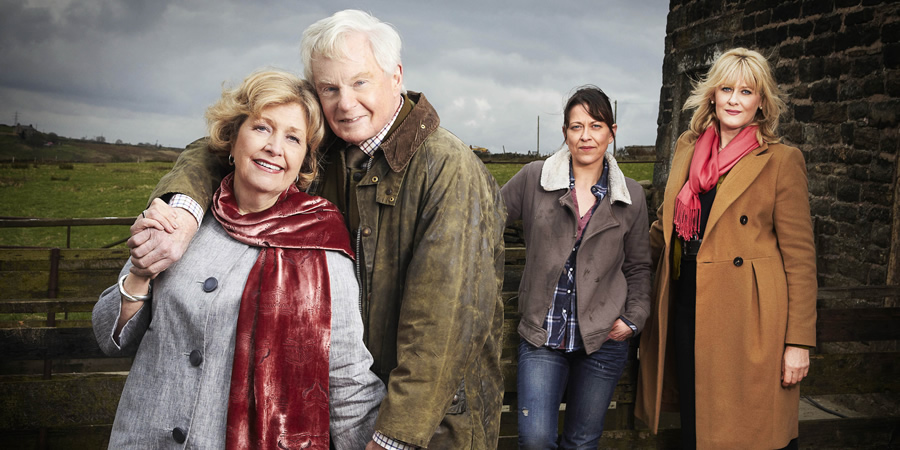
point(620, 331)
point(794, 365)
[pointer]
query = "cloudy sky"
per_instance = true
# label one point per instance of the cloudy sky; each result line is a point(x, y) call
point(145, 70)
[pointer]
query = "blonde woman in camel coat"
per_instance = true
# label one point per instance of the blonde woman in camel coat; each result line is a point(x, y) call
point(755, 293)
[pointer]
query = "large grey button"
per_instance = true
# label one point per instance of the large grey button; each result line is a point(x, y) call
point(196, 358)
point(210, 284)
point(357, 176)
point(179, 435)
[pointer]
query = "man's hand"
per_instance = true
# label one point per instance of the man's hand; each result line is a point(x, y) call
point(372, 445)
point(159, 237)
point(794, 365)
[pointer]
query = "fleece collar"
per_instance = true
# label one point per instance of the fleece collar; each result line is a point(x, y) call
point(555, 175)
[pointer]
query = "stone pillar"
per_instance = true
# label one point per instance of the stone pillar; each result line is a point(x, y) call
point(839, 63)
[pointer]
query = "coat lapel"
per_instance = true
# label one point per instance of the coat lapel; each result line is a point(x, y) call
point(741, 175)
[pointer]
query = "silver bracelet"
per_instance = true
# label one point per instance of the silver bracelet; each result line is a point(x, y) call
point(133, 298)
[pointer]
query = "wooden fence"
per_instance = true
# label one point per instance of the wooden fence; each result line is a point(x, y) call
point(57, 390)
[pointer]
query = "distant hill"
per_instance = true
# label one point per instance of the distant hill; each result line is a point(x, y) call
point(29, 145)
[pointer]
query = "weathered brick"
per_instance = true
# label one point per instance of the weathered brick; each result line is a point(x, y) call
point(873, 2)
point(787, 10)
point(877, 276)
point(859, 17)
point(892, 84)
point(881, 173)
point(873, 85)
point(857, 157)
point(820, 206)
point(801, 30)
point(859, 109)
point(844, 212)
point(786, 74)
point(748, 23)
point(770, 37)
point(864, 66)
point(876, 194)
point(891, 56)
point(811, 69)
point(825, 227)
point(845, 3)
point(820, 45)
point(834, 67)
point(857, 36)
point(879, 214)
point(875, 255)
point(889, 145)
point(746, 40)
point(881, 233)
point(824, 91)
point(792, 132)
point(848, 192)
point(793, 50)
point(847, 133)
point(826, 24)
point(812, 7)
point(866, 138)
point(884, 114)
point(890, 33)
point(764, 18)
point(830, 113)
point(803, 113)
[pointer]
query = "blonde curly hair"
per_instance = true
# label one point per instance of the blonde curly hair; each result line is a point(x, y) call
point(257, 92)
point(754, 69)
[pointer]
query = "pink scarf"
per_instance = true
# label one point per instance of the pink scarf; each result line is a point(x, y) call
point(707, 165)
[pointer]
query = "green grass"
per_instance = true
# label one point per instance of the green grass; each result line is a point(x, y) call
point(114, 190)
point(638, 171)
point(85, 190)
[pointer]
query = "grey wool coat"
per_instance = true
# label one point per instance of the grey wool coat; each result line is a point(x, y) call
point(184, 344)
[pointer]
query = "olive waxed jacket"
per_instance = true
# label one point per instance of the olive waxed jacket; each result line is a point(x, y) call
point(430, 232)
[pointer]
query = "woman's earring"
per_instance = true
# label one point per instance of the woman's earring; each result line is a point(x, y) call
point(230, 160)
point(298, 179)
point(712, 102)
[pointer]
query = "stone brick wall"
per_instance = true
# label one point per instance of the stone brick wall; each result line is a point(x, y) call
point(839, 63)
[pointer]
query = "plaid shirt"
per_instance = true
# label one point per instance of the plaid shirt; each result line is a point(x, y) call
point(561, 322)
point(369, 146)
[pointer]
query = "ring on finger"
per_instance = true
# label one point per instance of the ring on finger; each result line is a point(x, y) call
point(143, 214)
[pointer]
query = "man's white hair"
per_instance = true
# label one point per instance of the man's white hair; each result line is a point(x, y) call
point(326, 38)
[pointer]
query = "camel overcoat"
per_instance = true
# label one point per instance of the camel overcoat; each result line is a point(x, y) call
point(756, 292)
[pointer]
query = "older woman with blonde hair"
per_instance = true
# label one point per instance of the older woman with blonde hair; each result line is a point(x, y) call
point(735, 298)
point(253, 339)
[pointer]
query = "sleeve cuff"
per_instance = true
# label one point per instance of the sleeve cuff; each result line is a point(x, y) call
point(630, 325)
point(185, 202)
point(390, 443)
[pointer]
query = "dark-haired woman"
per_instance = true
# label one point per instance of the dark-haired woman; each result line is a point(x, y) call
point(586, 285)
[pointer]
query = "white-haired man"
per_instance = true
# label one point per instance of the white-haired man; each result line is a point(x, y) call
point(427, 221)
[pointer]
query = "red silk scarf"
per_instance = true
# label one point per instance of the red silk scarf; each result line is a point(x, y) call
point(279, 382)
point(707, 165)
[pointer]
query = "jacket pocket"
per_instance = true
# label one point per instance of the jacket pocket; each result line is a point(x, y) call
point(458, 404)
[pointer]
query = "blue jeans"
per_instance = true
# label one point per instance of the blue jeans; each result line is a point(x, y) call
point(543, 374)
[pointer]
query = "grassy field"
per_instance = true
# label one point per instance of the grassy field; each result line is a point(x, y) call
point(113, 190)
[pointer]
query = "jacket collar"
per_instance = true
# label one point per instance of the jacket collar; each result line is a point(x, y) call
point(555, 175)
point(416, 121)
point(410, 131)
